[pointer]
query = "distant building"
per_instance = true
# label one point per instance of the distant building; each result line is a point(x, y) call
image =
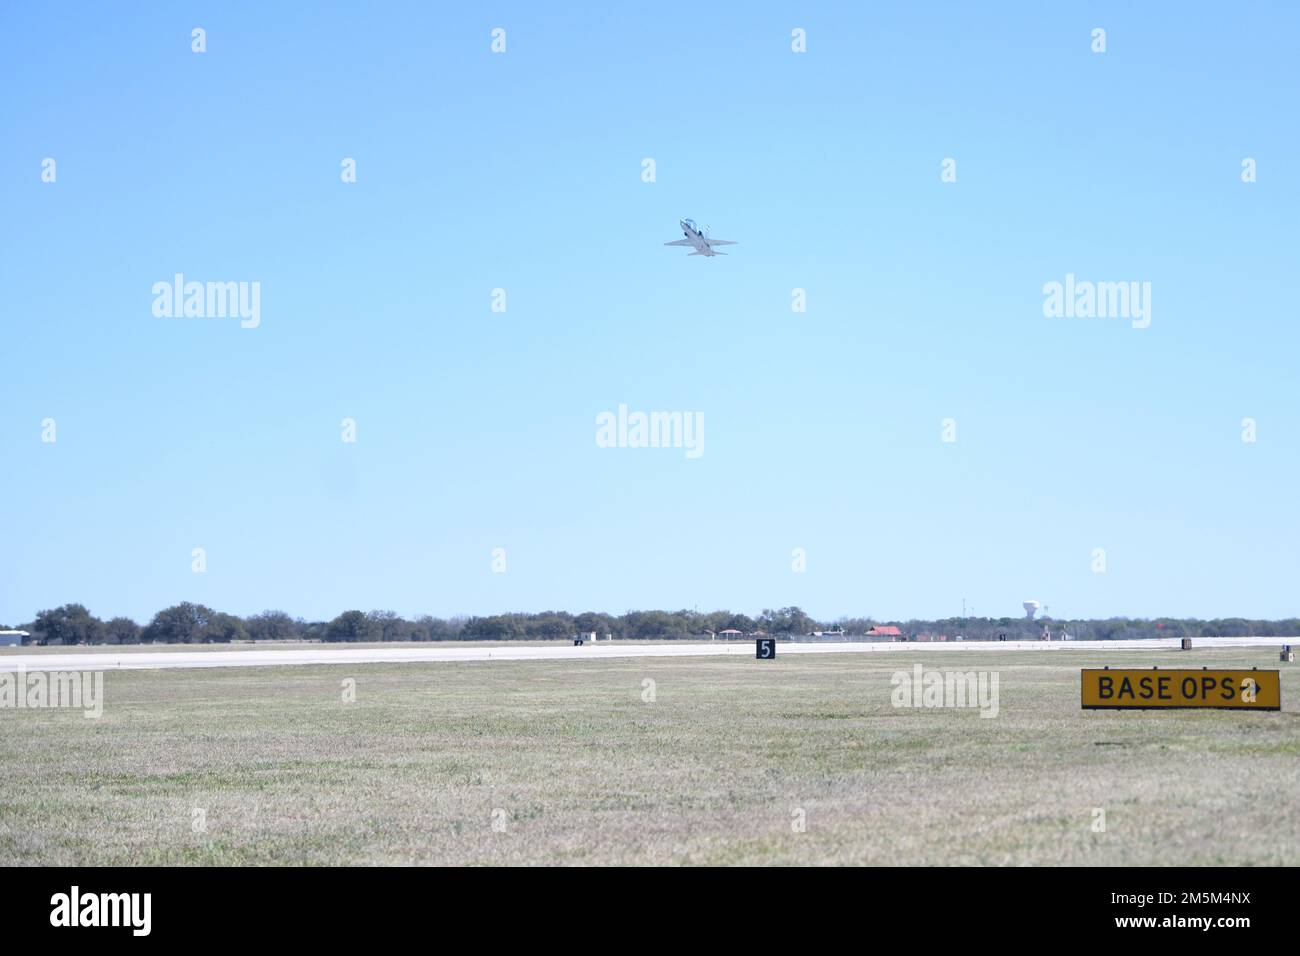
point(885, 631)
point(12, 638)
point(731, 634)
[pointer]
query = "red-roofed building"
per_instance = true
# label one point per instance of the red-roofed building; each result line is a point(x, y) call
point(885, 630)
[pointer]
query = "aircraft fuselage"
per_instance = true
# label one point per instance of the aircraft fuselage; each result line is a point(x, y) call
point(697, 240)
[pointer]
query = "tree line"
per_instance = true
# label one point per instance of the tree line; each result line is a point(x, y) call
point(190, 623)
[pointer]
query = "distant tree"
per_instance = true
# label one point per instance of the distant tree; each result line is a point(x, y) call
point(312, 630)
point(416, 630)
point(400, 629)
point(349, 626)
point(190, 623)
point(740, 622)
point(498, 627)
point(653, 625)
point(550, 625)
point(440, 630)
point(602, 624)
point(47, 626)
point(223, 629)
point(386, 626)
point(69, 624)
point(271, 626)
point(184, 623)
point(787, 620)
point(121, 630)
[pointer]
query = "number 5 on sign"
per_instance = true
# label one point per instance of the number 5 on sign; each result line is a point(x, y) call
point(765, 648)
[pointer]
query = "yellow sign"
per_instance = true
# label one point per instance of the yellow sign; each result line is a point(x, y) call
point(1138, 689)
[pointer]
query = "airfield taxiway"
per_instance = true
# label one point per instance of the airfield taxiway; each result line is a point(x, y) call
point(113, 658)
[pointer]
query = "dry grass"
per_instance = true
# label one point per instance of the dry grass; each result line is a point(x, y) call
point(586, 772)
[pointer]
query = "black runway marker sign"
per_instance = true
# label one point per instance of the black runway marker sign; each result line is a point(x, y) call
point(765, 648)
point(1178, 689)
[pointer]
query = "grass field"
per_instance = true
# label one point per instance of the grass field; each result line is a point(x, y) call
point(561, 762)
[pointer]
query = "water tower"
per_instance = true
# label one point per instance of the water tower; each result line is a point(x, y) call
point(1031, 608)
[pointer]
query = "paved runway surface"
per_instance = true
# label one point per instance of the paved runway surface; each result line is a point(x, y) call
point(110, 658)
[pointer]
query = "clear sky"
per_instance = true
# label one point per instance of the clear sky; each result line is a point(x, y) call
point(522, 171)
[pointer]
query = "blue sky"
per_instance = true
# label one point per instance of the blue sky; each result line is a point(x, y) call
point(522, 171)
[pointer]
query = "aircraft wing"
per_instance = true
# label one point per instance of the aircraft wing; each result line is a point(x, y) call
point(680, 242)
point(722, 242)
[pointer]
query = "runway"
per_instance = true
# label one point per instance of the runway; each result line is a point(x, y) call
point(112, 658)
